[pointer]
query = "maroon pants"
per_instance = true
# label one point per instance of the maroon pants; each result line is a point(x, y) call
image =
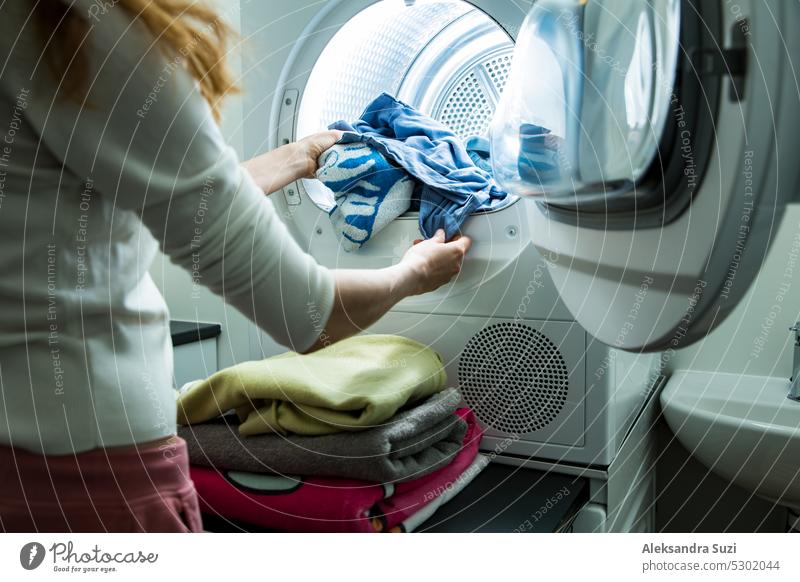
point(144, 489)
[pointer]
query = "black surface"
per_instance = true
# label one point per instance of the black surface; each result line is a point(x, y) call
point(501, 498)
point(507, 499)
point(186, 332)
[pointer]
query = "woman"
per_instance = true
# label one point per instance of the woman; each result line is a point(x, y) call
point(111, 150)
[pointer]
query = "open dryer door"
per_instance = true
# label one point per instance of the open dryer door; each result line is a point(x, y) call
point(659, 139)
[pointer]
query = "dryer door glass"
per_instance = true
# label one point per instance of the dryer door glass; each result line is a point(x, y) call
point(588, 97)
point(658, 144)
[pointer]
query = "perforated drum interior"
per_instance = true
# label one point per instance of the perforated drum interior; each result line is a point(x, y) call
point(513, 377)
point(448, 59)
point(468, 107)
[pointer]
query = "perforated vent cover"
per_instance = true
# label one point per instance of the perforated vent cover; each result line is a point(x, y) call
point(498, 69)
point(513, 377)
point(468, 107)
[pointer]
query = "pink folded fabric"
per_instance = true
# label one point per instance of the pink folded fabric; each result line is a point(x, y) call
point(320, 504)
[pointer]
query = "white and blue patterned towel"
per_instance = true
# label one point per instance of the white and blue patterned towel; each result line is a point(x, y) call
point(370, 192)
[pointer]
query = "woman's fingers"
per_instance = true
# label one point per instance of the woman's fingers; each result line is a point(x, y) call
point(460, 245)
point(462, 242)
point(313, 146)
point(328, 138)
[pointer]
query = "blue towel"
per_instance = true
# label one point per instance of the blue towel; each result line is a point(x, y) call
point(449, 185)
point(539, 159)
point(369, 191)
point(480, 152)
point(539, 155)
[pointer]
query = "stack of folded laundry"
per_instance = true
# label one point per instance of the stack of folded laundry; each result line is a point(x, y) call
point(360, 436)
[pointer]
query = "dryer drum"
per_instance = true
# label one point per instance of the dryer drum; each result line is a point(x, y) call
point(447, 59)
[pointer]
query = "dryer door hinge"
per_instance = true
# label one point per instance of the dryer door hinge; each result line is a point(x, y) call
point(730, 62)
point(286, 121)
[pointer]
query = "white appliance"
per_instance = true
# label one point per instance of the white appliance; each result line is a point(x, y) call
point(677, 165)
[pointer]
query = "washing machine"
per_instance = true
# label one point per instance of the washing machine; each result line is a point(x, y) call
point(672, 125)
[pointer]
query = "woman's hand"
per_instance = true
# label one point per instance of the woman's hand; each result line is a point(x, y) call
point(434, 262)
point(312, 147)
point(364, 296)
point(286, 164)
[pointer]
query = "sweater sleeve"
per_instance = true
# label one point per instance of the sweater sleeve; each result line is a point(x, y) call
point(147, 139)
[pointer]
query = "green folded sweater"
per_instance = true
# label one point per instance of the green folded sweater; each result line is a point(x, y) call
point(353, 384)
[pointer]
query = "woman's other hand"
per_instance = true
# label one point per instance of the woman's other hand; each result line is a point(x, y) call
point(286, 164)
point(364, 296)
point(311, 148)
point(434, 262)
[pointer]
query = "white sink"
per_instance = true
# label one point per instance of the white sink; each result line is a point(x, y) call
point(743, 428)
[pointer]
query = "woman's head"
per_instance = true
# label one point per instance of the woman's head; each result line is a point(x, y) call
point(187, 27)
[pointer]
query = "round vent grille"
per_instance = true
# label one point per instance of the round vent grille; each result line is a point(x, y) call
point(513, 377)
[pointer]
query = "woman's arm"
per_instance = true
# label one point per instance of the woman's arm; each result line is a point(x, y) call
point(361, 297)
point(274, 170)
point(168, 164)
point(364, 296)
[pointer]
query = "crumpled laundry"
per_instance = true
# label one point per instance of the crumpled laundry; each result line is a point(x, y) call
point(449, 186)
point(354, 384)
point(322, 504)
point(369, 191)
point(479, 150)
point(413, 443)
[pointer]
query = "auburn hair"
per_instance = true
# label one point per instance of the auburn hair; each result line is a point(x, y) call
point(188, 27)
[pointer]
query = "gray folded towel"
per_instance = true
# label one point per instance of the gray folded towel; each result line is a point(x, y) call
point(413, 443)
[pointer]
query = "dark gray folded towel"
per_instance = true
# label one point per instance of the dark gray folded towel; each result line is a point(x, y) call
point(413, 443)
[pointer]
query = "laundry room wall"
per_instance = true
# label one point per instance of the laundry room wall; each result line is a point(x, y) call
point(191, 302)
point(755, 338)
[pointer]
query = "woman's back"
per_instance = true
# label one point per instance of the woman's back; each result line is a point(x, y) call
point(84, 353)
point(91, 189)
